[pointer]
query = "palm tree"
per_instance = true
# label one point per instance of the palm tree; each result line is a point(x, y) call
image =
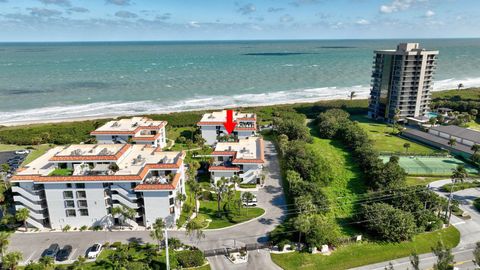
point(118, 211)
point(352, 95)
point(302, 224)
point(194, 228)
point(247, 197)
point(129, 213)
point(452, 143)
point(221, 187)
point(459, 86)
point(396, 117)
point(475, 148)
point(195, 188)
point(47, 262)
point(11, 260)
point(4, 242)
point(180, 197)
point(406, 146)
point(157, 233)
point(458, 175)
point(22, 216)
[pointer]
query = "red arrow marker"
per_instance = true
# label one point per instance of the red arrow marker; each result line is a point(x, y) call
point(229, 125)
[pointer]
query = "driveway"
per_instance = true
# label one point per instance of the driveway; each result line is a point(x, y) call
point(257, 260)
point(270, 198)
point(469, 233)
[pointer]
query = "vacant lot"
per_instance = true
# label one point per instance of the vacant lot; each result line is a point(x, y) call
point(386, 141)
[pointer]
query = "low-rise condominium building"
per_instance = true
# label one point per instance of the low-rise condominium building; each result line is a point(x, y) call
point(136, 130)
point(211, 125)
point(78, 185)
point(244, 158)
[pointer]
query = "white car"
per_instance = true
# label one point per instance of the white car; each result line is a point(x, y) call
point(253, 202)
point(22, 152)
point(94, 251)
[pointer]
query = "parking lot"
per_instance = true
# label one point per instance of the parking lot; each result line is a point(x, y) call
point(39, 243)
point(13, 160)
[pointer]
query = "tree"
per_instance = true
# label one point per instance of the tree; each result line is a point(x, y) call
point(387, 222)
point(406, 146)
point(124, 213)
point(47, 262)
point(396, 118)
point(475, 148)
point(391, 176)
point(247, 197)
point(157, 231)
point(302, 224)
point(180, 197)
point(432, 121)
point(330, 122)
point(324, 231)
point(444, 257)
point(452, 142)
point(11, 260)
point(304, 204)
point(22, 215)
point(194, 229)
point(129, 213)
point(459, 86)
point(415, 261)
point(220, 188)
point(459, 174)
point(352, 95)
point(195, 188)
point(476, 254)
point(4, 242)
point(79, 263)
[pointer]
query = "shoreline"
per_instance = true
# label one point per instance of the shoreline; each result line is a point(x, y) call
point(360, 97)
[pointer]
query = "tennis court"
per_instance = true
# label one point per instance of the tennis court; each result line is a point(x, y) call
point(426, 165)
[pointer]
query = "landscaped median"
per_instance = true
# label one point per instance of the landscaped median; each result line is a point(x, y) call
point(354, 255)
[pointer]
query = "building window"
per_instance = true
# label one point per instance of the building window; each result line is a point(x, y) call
point(83, 212)
point(172, 210)
point(69, 185)
point(69, 204)
point(81, 194)
point(82, 204)
point(70, 213)
point(171, 201)
point(80, 185)
point(68, 195)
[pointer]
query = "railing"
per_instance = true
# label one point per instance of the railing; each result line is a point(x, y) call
point(124, 201)
point(248, 176)
point(124, 192)
point(35, 223)
point(32, 196)
point(28, 204)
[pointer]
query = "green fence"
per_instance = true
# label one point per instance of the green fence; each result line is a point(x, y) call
point(431, 165)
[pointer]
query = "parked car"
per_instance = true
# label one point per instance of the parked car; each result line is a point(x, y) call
point(64, 253)
point(253, 202)
point(22, 152)
point(94, 251)
point(51, 251)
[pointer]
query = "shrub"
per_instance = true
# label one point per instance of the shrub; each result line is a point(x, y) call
point(83, 228)
point(174, 243)
point(116, 244)
point(190, 258)
point(282, 244)
point(66, 228)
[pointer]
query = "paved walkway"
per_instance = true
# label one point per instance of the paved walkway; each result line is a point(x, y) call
point(469, 231)
point(270, 198)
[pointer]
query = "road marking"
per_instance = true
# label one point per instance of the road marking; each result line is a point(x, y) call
point(72, 257)
point(30, 257)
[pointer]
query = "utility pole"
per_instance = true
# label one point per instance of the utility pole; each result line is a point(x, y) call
point(448, 214)
point(166, 250)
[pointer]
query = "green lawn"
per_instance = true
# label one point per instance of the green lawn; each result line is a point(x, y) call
point(463, 94)
point(365, 253)
point(230, 213)
point(38, 151)
point(474, 125)
point(10, 147)
point(187, 209)
point(422, 180)
point(385, 141)
point(347, 183)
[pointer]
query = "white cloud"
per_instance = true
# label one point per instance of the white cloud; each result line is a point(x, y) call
point(194, 24)
point(247, 9)
point(429, 13)
point(286, 18)
point(398, 5)
point(362, 22)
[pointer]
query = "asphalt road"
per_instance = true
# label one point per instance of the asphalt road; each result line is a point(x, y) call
point(257, 260)
point(469, 231)
point(270, 198)
point(6, 155)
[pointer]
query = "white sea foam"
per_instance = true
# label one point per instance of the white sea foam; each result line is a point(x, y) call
point(100, 109)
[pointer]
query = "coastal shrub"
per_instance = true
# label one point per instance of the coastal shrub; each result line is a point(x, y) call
point(460, 186)
point(330, 122)
point(292, 125)
point(190, 258)
point(179, 119)
point(388, 223)
point(58, 133)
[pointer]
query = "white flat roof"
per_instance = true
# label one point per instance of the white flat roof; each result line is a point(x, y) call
point(221, 116)
point(250, 148)
point(129, 124)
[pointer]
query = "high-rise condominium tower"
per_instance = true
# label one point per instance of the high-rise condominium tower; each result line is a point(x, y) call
point(402, 81)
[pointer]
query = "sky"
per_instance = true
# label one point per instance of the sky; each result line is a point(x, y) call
point(123, 20)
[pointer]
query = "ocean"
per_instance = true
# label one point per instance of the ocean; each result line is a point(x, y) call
point(47, 81)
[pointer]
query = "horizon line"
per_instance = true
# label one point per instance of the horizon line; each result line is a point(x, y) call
point(233, 40)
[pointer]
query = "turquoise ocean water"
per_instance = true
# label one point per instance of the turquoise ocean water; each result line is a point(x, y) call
point(44, 81)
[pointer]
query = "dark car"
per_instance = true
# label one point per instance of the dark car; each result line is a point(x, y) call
point(64, 253)
point(51, 251)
